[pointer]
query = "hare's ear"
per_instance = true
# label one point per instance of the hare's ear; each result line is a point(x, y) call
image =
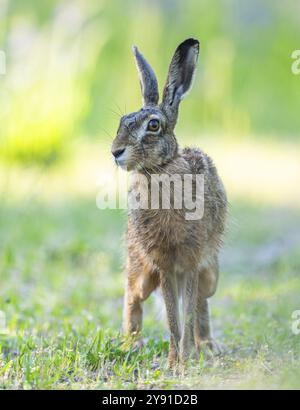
point(180, 76)
point(147, 78)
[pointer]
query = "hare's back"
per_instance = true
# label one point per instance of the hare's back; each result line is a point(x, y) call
point(215, 200)
point(201, 163)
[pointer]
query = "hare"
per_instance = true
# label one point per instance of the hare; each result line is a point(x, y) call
point(165, 249)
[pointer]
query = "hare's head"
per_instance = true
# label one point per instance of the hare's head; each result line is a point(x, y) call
point(145, 139)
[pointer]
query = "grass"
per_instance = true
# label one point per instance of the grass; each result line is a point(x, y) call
point(61, 290)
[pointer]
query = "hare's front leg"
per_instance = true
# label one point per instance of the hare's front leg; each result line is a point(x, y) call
point(139, 285)
point(189, 294)
point(169, 290)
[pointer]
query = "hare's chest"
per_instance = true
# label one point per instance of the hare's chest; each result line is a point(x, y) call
point(164, 240)
point(162, 228)
point(157, 228)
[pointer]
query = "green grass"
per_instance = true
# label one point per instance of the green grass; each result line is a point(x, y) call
point(62, 286)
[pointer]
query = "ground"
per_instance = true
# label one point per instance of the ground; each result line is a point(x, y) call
point(61, 291)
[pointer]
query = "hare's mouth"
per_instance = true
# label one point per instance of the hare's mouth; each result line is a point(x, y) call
point(122, 159)
point(122, 164)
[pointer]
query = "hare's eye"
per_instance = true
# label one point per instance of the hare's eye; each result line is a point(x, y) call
point(153, 125)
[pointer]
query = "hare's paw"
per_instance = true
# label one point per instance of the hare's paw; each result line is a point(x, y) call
point(134, 341)
point(210, 347)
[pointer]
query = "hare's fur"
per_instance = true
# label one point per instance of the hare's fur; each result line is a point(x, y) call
point(164, 249)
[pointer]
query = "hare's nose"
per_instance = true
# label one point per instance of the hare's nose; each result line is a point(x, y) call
point(118, 152)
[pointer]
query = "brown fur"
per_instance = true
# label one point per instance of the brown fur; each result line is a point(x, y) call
point(164, 249)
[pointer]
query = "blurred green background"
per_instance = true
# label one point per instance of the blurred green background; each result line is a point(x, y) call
point(69, 66)
point(69, 76)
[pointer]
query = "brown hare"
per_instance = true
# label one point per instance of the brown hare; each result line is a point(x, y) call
point(165, 249)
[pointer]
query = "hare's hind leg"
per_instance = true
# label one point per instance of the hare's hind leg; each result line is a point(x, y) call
point(207, 285)
point(202, 329)
point(139, 285)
